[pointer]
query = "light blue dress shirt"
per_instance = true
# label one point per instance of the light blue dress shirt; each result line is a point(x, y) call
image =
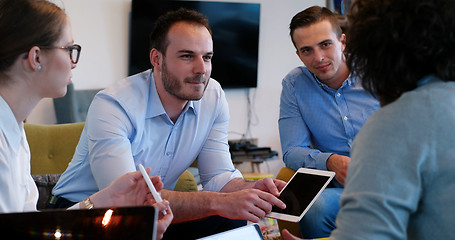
point(401, 179)
point(127, 125)
point(317, 121)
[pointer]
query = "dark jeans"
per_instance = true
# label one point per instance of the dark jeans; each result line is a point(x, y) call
point(181, 231)
point(59, 202)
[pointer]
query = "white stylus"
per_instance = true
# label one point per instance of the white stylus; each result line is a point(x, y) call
point(155, 194)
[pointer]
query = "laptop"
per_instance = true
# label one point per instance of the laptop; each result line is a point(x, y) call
point(300, 193)
point(250, 232)
point(99, 223)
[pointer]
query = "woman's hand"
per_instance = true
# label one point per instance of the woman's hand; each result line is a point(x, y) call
point(128, 190)
point(286, 235)
point(163, 220)
point(132, 190)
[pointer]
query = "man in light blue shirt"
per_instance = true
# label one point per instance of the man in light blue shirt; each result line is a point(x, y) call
point(323, 106)
point(165, 119)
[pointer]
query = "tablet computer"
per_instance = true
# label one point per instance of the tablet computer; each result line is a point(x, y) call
point(300, 193)
point(250, 232)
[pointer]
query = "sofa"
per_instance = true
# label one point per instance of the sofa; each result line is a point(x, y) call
point(52, 148)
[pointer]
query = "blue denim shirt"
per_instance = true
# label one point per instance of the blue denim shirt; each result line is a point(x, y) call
point(317, 121)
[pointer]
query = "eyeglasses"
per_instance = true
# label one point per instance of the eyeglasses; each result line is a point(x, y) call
point(74, 51)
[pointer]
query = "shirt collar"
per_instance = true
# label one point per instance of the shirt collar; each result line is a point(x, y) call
point(8, 124)
point(427, 79)
point(352, 78)
point(350, 81)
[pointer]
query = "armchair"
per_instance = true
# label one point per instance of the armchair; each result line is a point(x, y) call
point(52, 148)
point(73, 107)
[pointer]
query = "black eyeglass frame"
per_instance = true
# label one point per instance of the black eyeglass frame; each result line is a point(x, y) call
point(70, 50)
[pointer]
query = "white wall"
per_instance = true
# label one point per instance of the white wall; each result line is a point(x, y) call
point(101, 27)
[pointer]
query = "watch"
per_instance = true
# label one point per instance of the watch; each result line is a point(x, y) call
point(87, 203)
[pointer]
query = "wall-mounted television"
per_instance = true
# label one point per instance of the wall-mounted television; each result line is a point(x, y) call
point(235, 28)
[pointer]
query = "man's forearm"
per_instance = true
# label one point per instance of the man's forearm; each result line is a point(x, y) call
point(188, 206)
point(238, 199)
point(237, 184)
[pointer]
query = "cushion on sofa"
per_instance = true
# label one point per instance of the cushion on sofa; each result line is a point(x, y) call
point(45, 183)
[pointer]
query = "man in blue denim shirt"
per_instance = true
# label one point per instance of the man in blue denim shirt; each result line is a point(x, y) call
point(323, 106)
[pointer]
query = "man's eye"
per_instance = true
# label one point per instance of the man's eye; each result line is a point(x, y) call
point(327, 44)
point(305, 51)
point(207, 58)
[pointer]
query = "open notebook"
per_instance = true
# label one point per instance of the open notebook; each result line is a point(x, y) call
point(114, 223)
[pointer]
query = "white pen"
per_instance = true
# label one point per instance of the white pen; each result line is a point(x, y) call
point(155, 194)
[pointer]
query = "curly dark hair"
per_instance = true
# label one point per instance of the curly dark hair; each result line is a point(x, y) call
point(392, 44)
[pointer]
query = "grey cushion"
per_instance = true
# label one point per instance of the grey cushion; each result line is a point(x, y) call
point(74, 105)
point(45, 183)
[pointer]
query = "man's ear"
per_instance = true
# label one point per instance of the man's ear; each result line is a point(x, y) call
point(298, 55)
point(343, 41)
point(34, 59)
point(156, 58)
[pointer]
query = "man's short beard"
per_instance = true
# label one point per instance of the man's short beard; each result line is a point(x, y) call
point(173, 86)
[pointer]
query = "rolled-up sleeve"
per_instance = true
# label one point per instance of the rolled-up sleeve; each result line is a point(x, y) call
point(295, 136)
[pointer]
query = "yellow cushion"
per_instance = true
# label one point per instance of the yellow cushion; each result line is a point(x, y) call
point(52, 146)
point(285, 174)
point(186, 182)
point(256, 176)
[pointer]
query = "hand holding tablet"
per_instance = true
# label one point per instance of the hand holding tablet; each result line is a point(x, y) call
point(300, 193)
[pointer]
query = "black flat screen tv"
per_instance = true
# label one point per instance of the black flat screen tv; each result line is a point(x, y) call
point(235, 28)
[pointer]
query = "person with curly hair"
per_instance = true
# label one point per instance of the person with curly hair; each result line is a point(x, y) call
point(401, 180)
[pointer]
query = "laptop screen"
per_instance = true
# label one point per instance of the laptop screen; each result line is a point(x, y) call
point(113, 223)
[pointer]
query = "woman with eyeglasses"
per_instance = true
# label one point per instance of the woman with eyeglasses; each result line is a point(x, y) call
point(37, 54)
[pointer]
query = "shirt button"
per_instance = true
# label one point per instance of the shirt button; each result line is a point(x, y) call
point(338, 94)
point(168, 154)
point(350, 140)
point(345, 118)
